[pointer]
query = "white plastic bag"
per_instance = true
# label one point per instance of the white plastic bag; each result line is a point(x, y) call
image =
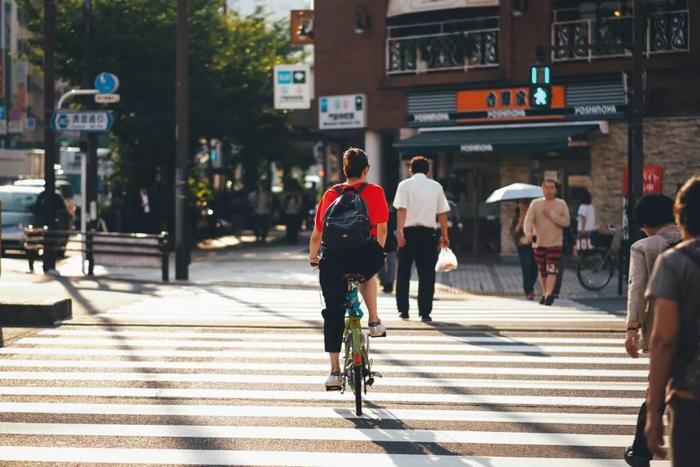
point(447, 261)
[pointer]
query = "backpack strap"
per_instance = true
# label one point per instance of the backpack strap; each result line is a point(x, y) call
point(338, 189)
point(357, 190)
point(361, 187)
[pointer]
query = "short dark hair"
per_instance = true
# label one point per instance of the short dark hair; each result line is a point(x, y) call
point(354, 162)
point(687, 206)
point(420, 165)
point(550, 180)
point(654, 210)
point(586, 197)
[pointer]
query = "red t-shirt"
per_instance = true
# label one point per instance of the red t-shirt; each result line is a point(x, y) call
point(373, 196)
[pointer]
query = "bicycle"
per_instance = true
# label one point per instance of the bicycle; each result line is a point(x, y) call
point(596, 267)
point(357, 366)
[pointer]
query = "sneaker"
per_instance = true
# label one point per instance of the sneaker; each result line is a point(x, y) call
point(377, 329)
point(334, 382)
point(634, 460)
point(530, 295)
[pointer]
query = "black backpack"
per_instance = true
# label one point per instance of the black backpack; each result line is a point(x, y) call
point(346, 222)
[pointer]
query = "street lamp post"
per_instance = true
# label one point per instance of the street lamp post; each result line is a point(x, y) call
point(182, 142)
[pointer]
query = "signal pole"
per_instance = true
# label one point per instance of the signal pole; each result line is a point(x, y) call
point(49, 263)
point(182, 132)
point(635, 132)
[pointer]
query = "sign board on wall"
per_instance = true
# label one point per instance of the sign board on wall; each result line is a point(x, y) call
point(652, 180)
point(292, 86)
point(342, 112)
point(301, 25)
point(478, 105)
point(3, 120)
point(401, 7)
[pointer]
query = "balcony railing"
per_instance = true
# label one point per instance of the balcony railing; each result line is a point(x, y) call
point(443, 46)
point(588, 39)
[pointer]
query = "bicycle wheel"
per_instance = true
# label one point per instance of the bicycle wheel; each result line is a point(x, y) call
point(594, 271)
point(357, 388)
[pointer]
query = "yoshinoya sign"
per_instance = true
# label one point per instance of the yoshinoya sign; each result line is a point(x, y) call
point(512, 104)
point(342, 112)
point(292, 86)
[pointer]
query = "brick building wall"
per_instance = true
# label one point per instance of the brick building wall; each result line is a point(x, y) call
point(669, 142)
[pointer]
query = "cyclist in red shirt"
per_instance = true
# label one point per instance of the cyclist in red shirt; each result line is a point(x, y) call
point(367, 260)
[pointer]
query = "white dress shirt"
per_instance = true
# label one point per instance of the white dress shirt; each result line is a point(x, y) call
point(423, 199)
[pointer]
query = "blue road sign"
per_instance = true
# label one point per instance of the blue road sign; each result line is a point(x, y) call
point(106, 83)
point(86, 121)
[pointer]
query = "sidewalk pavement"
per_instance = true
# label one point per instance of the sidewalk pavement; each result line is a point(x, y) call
point(238, 261)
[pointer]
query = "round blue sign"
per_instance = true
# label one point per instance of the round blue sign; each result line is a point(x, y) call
point(106, 83)
point(62, 121)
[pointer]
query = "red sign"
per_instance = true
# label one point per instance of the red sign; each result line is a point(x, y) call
point(652, 180)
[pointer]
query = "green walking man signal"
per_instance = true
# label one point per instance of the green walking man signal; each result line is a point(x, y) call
point(540, 87)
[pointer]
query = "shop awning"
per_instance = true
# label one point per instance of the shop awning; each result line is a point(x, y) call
point(401, 7)
point(499, 138)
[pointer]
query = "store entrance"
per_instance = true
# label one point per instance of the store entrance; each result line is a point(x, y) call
point(470, 185)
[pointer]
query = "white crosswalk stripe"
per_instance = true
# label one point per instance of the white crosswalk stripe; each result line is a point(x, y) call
point(228, 306)
point(254, 397)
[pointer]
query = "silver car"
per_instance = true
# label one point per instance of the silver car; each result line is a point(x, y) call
point(19, 210)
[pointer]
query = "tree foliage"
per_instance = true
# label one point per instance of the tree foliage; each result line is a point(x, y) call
point(231, 61)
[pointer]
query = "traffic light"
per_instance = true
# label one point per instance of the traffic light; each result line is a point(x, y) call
point(540, 87)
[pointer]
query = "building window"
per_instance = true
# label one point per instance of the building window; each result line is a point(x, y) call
point(417, 45)
point(603, 29)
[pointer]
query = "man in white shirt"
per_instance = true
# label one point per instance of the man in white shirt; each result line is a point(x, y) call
point(419, 200)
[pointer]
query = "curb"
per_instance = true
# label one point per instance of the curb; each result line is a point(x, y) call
point(24, 313)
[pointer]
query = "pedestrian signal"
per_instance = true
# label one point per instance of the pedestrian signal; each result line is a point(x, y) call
point(540, 87)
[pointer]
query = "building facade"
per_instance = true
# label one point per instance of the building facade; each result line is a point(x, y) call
point(450, 79)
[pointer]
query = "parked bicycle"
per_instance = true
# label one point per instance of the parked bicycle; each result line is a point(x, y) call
point(357, 366)
point(596, 266)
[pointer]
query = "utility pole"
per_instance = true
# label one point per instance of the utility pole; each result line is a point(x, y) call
point(635, 132)
point(90, 195)
point(49, 263)
point(182, 132)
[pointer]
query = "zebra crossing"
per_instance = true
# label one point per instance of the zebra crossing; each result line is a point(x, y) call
point(254, 396)
point(218, 305)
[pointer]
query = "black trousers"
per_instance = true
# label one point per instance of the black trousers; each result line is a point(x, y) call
point(639, 446)
point(421, 247)
point(685, 432)
point(528, 266)
point(366, 260)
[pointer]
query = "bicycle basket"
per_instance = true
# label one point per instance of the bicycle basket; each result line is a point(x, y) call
point(601, 240)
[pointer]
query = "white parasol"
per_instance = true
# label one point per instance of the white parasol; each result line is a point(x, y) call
point(514, 192)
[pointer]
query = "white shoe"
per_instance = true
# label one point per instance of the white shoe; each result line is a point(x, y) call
point(334, 382)
point(377, 329)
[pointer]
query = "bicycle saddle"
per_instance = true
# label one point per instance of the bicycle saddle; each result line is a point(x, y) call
point(353, 277)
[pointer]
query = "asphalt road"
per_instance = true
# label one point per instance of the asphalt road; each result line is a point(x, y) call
point(217, 375)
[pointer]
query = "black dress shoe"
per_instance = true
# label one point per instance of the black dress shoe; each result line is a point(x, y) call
point(549, 300)
point(634, 460)
point(426, 319)
point(403, 315)
point(542, 300)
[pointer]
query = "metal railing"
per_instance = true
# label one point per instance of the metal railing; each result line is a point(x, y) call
point(589, 39)
point(97, 246)
point(442, 46)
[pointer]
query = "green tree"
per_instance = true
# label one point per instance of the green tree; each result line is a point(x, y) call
point(231, 61)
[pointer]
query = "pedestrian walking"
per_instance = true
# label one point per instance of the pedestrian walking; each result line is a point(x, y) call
point(674, 369)
point(544, 224)
point(261, 204)
point(419, 200)
point(293, 205)
point(654, 215)
point(585, 223)
point(366, 235)
point(387, 275)
point(526, 254)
